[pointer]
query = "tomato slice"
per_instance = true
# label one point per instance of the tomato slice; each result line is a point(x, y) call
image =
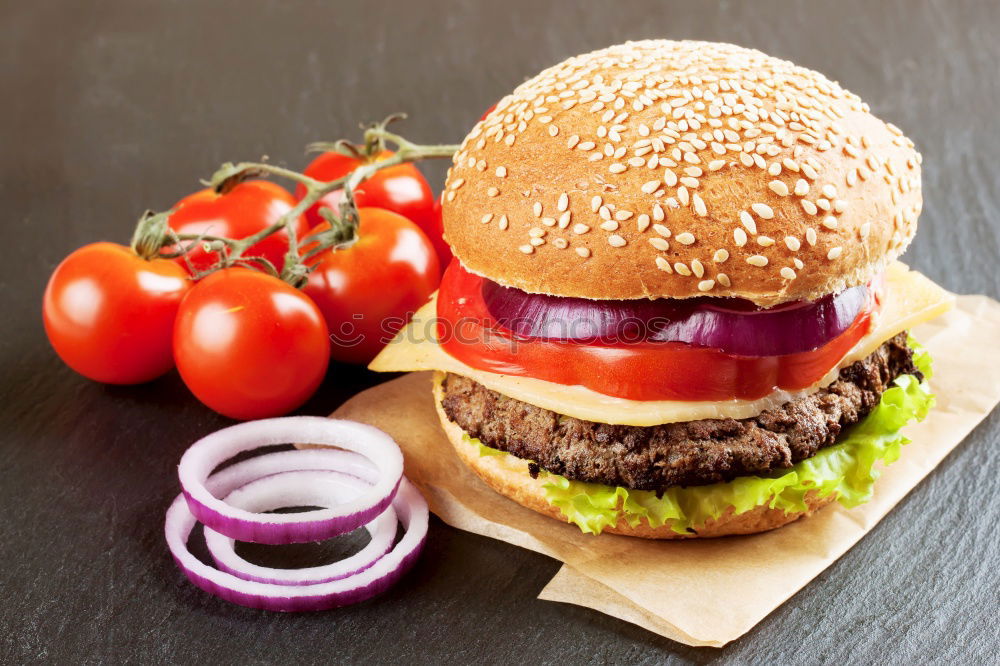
point(635, 371)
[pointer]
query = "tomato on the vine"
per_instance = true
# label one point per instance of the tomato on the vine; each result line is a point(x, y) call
point(109, 313)
point(401, 189)
point(368, 290)
point(239, 212)
point(249, 345)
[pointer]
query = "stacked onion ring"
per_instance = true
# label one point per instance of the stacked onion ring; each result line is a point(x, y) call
point(359, 483)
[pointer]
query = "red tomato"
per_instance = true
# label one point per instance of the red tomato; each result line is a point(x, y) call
point(242, 211)
point(109, 314)
point(249, 345)
point(437, 236)
point(401, 189)
point(368, 291)
point(636, 371)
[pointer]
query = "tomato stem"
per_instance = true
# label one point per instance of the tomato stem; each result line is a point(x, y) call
point(153, 233)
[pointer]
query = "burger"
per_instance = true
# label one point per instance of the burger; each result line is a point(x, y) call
point(675, 308)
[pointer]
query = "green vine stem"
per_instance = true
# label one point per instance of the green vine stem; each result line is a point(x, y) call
point(343, 223)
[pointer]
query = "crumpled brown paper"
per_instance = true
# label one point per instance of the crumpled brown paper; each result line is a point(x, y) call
point(698, 592)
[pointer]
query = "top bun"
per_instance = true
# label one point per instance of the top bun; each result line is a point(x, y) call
point(662, 169)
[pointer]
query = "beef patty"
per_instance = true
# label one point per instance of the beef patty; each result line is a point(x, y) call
point(676, 454)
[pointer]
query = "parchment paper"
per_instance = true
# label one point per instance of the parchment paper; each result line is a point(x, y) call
point(699, 592)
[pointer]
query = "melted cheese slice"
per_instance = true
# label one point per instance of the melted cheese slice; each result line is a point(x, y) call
point(909, 299)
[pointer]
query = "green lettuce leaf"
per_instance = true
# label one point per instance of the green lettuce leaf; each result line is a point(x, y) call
point(846, 468)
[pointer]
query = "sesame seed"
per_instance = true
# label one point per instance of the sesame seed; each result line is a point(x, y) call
point(757, 260)
point(503, 223)
point(778, 188)
point(720, 256)
point(536, 232)
point(553, 130)
point(670, 178)
point(723, 279)
point(834, 252)
point(457, 183)
point(829, 222)
point(537, 209)
point(798, 263)
point(792, 243)
point(527, 249)
point(787, 273)
point(560, 243)
point(485, 219)
point(747, 221)
point(687, 181)
point(697, 268)
point(614, 240)
point(658, 213)
point(663, 265)
point(580, 228)
point(829, 191)
point(492, 192)
point(739, 237)
point(801, 187)
point(563, 202)
point(662, 230)
point(809, 206)
point(573, 140)
point(537, 241)
point(682, 269)
point(617, 167)
point(765, 241)
point(610, 225)
point(549, 221)
point(699, 206)
point(583, 252)
point(501, 172)
point(604, 212)
point(839, 205)
point(643, 222)
point(450, 196)
point(659, 243)
point(715, 165)
point(682, 195)
point(622, 215)
point(823, 204)
point(565, 218)
point(586, 145)
point(811, 236)
point(685, 238)
point(763, 210)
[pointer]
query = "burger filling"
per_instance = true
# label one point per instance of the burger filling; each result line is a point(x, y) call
point(849, 427)
point(677, 454)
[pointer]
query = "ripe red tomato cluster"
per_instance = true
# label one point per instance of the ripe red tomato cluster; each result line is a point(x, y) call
point(246, 343)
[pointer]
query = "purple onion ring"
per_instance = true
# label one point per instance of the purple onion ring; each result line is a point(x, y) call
point(293, 481)
point(411, 510)
point(209, 452)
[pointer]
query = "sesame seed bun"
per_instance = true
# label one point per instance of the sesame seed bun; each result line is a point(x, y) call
point(662, 169)
point(509, 476)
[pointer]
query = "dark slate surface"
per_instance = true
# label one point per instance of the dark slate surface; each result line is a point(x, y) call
point(112, 107)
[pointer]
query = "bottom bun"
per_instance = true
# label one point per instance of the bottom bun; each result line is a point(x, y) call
point(509, 476)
